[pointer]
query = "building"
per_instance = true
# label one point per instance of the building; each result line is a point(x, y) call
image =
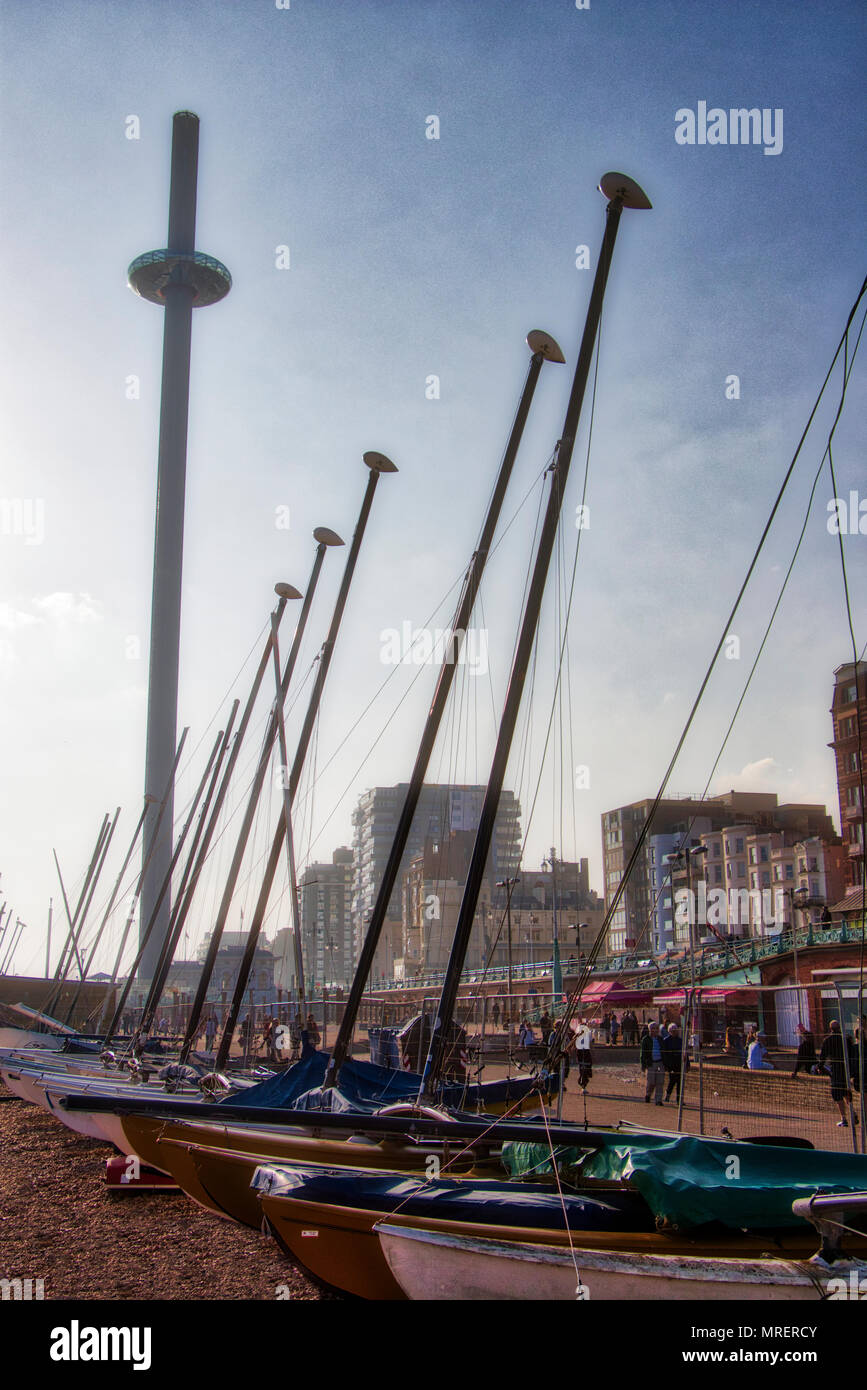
point(442, 809)
point(260, 989)
point(849, 718)
point(326, 921)
point(688, 819)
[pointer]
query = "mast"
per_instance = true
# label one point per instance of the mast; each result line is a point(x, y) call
point(324, 539)
point(72, 920)
point(378, 464)
point(285, 593)
point(114, 892)
point(621, 192)
point(290, 844)
point(543, 348)
point(137, 890)
point(187, 886)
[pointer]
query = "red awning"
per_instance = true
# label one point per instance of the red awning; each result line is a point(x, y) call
point(612, 992)
point(678, 996)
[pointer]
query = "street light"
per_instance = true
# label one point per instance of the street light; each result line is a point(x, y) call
point(684, 855)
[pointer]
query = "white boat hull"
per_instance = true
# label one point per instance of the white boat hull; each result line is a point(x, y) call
point(433, 1265)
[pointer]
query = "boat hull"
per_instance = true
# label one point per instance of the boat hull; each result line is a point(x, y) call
point(441, 1265)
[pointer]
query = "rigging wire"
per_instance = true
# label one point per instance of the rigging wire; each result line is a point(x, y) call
point(645, 829)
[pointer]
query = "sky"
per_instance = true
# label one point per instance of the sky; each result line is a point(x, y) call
point(384, 284)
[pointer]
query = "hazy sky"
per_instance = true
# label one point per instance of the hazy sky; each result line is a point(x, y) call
point(412, 258)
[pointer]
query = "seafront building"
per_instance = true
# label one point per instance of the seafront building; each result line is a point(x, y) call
point(442, 810)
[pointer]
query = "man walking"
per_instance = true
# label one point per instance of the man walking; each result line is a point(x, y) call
point(652, 1064)
point(834, 1061)
point(672, 1058)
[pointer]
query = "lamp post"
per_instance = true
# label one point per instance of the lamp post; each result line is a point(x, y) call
point(802, 894)
point(509, 885)
point(684, 856)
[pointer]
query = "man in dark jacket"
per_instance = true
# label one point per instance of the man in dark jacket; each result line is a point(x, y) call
point(672, 1057)
point(652, 1064)
point(834, 1060)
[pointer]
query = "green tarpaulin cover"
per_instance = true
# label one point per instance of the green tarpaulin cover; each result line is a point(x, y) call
point(689, 1181)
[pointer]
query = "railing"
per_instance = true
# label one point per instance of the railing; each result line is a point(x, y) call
point(709, 960)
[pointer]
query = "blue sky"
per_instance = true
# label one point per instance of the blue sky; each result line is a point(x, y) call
point(413, 257)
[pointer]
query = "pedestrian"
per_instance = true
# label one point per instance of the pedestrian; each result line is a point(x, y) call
point(672, 1057)
point(606, 1027)
point(313, 1032)
point(833, 1060)
point(613, 1029)
point(735, 1042)
point(545, 1025)
point(584, 1056)
point(652, 1064)
point(806, 1058)
point(757, 1056)
point(495, 1013)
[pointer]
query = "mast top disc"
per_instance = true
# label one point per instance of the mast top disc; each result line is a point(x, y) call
point(543, 343)
point(379, 463)
point(621, 186)
point(286, 591)
point(325, 536)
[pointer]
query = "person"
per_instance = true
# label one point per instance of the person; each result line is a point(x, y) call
point(735, 1042)
point(652, 1064)
point(672, 1057)
point(584, 1056)
point(313, 1031)
point(757, 1058)
point(613, 1030)
point(210, 1032)
point(806, 1058)
point(545, 1025)
point(832, 1058)
point(495, 1013)
point(606, 1027)
point(526, 1036)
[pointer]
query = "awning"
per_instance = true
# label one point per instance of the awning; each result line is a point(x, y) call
point(612, 992)
point(678, 996)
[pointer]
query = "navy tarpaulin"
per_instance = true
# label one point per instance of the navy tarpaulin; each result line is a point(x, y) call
point(529, 1205)
point(365, 1085)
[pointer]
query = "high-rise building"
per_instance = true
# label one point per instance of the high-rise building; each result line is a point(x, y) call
point(326, 921)
point(849, 716)
point(441, 810)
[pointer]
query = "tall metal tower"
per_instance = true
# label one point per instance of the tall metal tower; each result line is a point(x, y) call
point(179, 279)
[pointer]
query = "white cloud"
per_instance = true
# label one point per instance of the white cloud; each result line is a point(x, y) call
point(64, 608)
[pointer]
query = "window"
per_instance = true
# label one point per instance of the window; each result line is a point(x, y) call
point(739, 846)
point(790, 871)
point(752, 854)
point(753, 881)
point(850, 695)
point(742, 869)
point(715, 851)
point(766, 879)
point(763, 854)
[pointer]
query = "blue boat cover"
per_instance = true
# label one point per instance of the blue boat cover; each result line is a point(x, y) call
point(482, 1201)
point(365, 1087)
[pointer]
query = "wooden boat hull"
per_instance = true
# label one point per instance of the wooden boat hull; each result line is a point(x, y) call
point(147, 1137)
point(339, 1246)
point(443, 1265)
